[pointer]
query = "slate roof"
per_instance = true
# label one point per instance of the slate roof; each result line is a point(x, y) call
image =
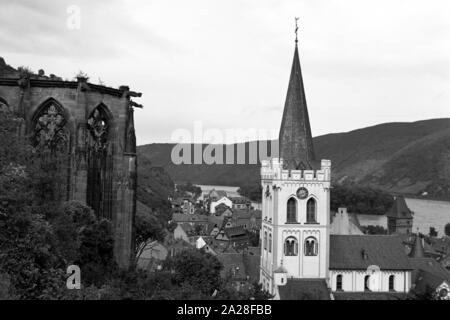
point(304, 289)
point(385, 251)
point(431, 266)
point(295, 139)
point(235, 231)
point(399, 209)
point(180, 217)
point(369, 296)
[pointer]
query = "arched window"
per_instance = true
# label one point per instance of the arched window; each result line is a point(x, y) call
point(311, 247)
point(100, 162)
point(366, 283)
point(291, 211)
point(50, 130)
point(311, 211)
point(391, 283)
point(291, 247)
point(265, 240)
point(339, 282)
point(270, 242)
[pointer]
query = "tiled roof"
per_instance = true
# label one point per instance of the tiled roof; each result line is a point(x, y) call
point(235, 231)
point(399, 209)
point(369, 296)
point(180, 217)
point(358, 252)
point(295, 139)
point(304, 289)
point(431, 266)
point(239, 200)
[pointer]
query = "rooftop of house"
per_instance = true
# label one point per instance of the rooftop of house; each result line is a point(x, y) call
point(217, 194)
point(235, 231)
point(431, 266)
point(358, 252)
point(180, 217)
point(304, 289)
point(399, 209)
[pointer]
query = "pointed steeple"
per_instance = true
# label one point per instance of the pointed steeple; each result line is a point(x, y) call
point(295, 139)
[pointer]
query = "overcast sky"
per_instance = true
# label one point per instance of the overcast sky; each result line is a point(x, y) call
point(227, 63)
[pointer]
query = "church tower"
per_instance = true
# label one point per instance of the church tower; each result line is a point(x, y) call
point(296, 200)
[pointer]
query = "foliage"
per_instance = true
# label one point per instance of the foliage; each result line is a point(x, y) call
point(433, 232)
point(374, 229)
point(196, 269)
point(447, 229)
point(182, 189)
point(253, 191)
point(147, 229)
point(362, 200)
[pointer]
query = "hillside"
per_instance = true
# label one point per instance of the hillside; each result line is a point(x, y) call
point(397, 157)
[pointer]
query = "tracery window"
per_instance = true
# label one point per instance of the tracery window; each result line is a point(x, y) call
point(51, 141)
point(50, 130)
point(100, 162)
point(311, 246)
point(291, 246)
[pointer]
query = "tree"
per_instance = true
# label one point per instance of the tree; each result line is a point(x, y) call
point(447, 229)
point(433, 233)
point(252, 191)
point(362, 200)
point(147, 229)
point(197, 269)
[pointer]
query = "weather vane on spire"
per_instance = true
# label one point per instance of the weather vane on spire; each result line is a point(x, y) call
point(296, 29)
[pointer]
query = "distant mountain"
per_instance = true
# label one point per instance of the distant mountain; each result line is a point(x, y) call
point(397, 157)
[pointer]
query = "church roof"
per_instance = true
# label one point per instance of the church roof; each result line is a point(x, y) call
point(304, 289)
point(399, 209)
point(295, 139)
point(417, 250)
point(358, 252)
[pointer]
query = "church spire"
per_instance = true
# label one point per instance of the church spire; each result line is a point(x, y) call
point(295, 139)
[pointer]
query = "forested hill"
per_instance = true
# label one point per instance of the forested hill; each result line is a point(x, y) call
point(397, 157)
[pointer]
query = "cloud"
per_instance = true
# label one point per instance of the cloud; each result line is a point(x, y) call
point(227, 63)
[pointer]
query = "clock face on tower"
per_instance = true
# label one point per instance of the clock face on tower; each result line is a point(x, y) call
point(302, 193)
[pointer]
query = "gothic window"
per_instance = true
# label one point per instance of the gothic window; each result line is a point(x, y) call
point(290, 246)
point(311, 211)
point(291, 211)
point(311, 246)
point(50, 132)
point(366, 283)
point(100, 162)
point(339, 282)
point(391, 282)
point(270, 242)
